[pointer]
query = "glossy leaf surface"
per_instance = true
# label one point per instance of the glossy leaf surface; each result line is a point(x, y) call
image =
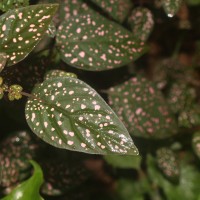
point(142, 108)
point(69, 114)
point(118, 9)
point(29, 189)
point(92, 42)
point(171, 6)
point(29, 23)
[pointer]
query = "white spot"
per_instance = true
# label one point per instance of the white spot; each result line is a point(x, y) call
point(71, 134)
point(45, 124)
point(59, 84)
point(83, 106)
point(83, 145)
point(59, 123)
point(97, 107)
point(70, 142)
point(82, 54)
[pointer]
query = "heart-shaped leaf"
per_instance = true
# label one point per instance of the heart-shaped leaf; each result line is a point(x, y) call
point(15, 151)
point(3, 60)
point(30, 23)
point(171, 6)
point(196, 143)
point(168, 164)
point(141, 22)
point(92, 42)
point(67, 113)
point(142, 108)
point(118, 9)
point(6, 5)
point(30, 188)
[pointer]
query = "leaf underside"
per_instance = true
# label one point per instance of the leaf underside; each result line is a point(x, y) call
point(69, 114)
point(30, 24)
point(91, 42)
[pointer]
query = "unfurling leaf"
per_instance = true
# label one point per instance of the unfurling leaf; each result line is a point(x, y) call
point(30, 24)
point(67, 113)
point(92, 42)
point(171, 6)
point(29, 189)
point(196, 143)
point(142, 108)
point(141, 22)
point(168, 164)
point(118, 9)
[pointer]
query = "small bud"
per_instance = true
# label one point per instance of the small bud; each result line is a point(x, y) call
point(15, 92)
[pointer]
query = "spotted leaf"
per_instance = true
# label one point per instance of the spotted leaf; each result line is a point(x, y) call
point(91, 42)
point(196, 143)
point(58, 73)
point(30, 23)
point(6, 5)
point(168, 163)
point(69, 114)
point(3, 60)
point(118, 9)
point(171, 6)
point(28, 189)
point(69, 8)
point(141, 22)
point(15, 151)
point(142, 108)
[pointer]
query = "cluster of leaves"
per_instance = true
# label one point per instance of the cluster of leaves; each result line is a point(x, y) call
point(51, 51)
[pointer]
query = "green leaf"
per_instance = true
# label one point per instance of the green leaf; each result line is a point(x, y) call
point(141, 22)
point(196, 143)
point(142, 108)
point(171, 7)
point(92, 42)
point(58, 73)
point(15, 151)
point(117, 9)
point(30, 24)
point(3, 60)
point(124, 161)
point(168, 164)
point(69, 114)
point(69, 8)
point(193, 2)
point(188, 187)
point(29, 189)
point(6, 5)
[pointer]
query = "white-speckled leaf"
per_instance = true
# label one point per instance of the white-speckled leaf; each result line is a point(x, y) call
point(69, 114)
point(6, 5)
point(141, 22)
point(92, 42)
point(171, 6)
point(58, 73)
point(118, 9)
point(29, 25)
point(3, 60)
point(142, 108)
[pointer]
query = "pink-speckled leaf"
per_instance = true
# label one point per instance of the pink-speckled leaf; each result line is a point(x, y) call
point(29, 25)
point(3, 60)
point(196, 143)
point(142, 108)
point(67, 113)
point(141, 22)
point(69, 8)
point(171, 7)
point(91, 42)
point(117, 9)
point(6, 5)
point(168, 163)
